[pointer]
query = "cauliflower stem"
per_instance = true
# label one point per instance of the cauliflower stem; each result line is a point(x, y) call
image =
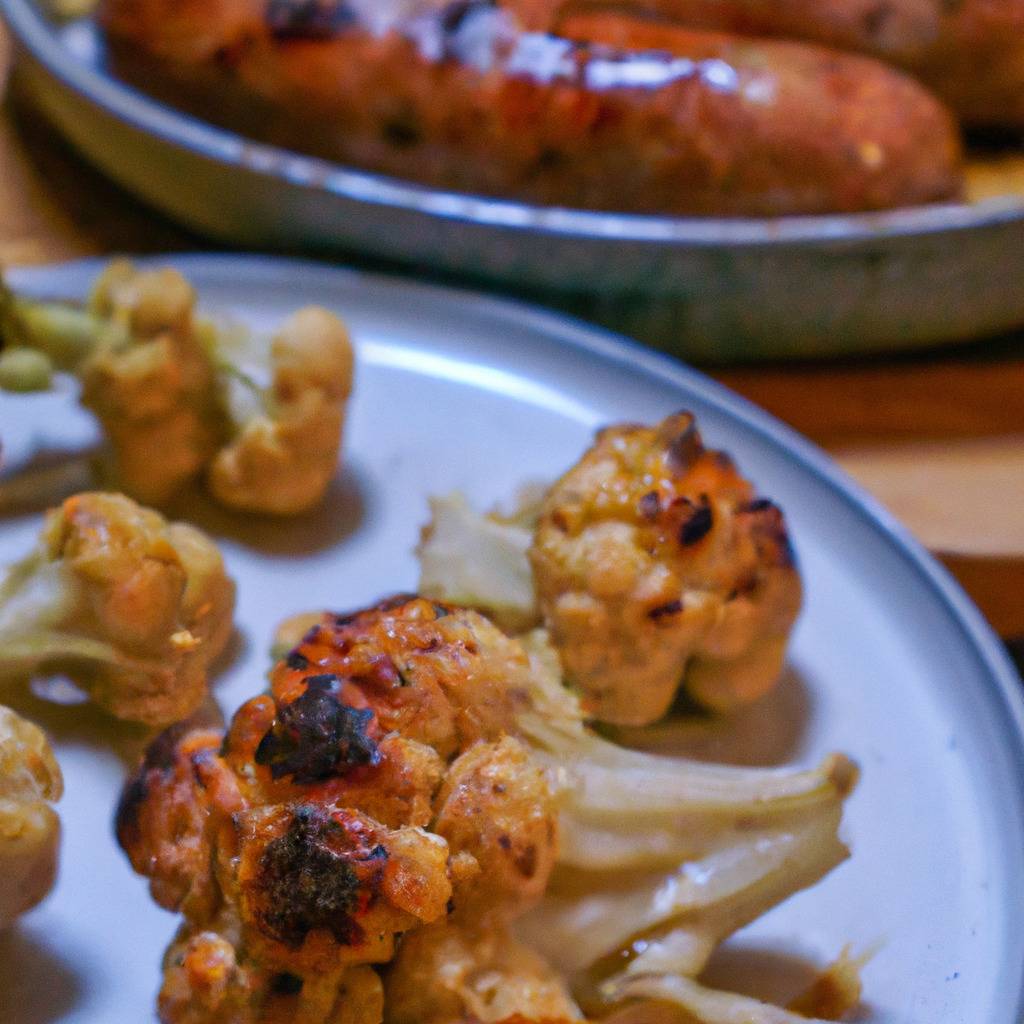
point(129, 606)
point(660, 858)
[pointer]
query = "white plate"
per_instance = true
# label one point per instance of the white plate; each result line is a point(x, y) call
point(890, 661)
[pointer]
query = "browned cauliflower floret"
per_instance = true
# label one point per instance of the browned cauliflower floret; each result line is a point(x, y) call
point(181, 398)
point(374, 791)
point(151, 382)
point(453, 972)
point(133, 608)
point(283, 456)
point(29, 829)
point(655, 566)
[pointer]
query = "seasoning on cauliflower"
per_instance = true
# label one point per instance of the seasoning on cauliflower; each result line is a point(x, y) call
point(260, 423)
point(151, 383)
point(132, 608)
point(419, 790)
point(376, 790)
point(654, 567)
point(30, 781)
point(448, 973)
point(283, 454)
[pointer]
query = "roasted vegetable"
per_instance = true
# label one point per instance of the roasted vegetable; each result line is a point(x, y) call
point(405, 793)
point(662, 858)
point(30, 781)
point(133, 608)
point(261, 423)
point(374, 791)
point(655, 566)
point(286, 438)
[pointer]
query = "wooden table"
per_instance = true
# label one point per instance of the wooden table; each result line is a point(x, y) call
point(939, 437)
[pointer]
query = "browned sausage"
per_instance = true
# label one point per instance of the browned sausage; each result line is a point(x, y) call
point(882, 27)
point(700, 123)
point(970, 52)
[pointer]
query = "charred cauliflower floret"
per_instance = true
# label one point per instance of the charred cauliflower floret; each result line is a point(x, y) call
point(285, 452)
point(132, 608)
point(656, 566)
point(182, 398)
point(375, 790)
point(30, 781)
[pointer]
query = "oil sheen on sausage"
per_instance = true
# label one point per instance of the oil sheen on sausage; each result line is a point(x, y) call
point(459, 96)
point(969, 52)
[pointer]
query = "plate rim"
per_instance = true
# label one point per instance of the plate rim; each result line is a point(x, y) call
point(999, 674)
point(32, 30)
point(632, 355)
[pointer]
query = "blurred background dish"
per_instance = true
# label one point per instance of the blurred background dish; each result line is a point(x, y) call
point(707, 288)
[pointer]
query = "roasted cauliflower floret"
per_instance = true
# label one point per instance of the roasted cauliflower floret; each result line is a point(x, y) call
point(151, 382)
point(341, 811)
point(495, 805)
point(182, 398)
point(30, 781)
point(656, 566)
point(453, 972)
point(284, 454)
point(132, 608)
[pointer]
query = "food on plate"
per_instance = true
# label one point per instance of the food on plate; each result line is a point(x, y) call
point(971, 52)
point(652, 563)
point(459, 96)
point(131, 607)
point(260, 422)
point(285, 439)
point(892, 28)
point(150, 381)
point(25, 369)
point(374, 839)
point(30, 780)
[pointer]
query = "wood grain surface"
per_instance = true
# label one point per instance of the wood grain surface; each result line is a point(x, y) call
point(938, 437)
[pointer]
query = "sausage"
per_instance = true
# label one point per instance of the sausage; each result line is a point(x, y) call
point(881, 27)
point(969, 52)
point(681, 123)
point(977, 62)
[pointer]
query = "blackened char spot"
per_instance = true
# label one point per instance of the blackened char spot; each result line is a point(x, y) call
point(402, 130)
point(297, 660)
point(286, 984)
point(453, 15)
point(393, 603)
point(649, 505)
point(126, 817)
point(685, 448)
point(317, 736)
point(160, 757)
point(305, 882)
point(664, 611)
point(309, 19)
point(163, 751)
point(875, 19)
point(698, 526)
